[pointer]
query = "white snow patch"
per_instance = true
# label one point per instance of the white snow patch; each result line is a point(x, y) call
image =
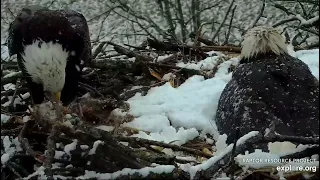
point(168, 76)
point(9, 86)
point(68, 116)
point(94, 148)
point(84, 147)
point(207, 64)
point(281, 147)
point(170, 135)
point(136, 87)
point(192, 104)
point(4, 118)
point(217, 53)
point(4, 158)
point(10, 148)
point(11, 74)
point(58, 154)
point(221, 144)
point(161, 58)
point(26, 118)
point(17, 100)
point(105, 128)
point(39, 171)
point(70, 147)
point(150, 123)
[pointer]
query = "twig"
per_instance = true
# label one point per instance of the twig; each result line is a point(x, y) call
point(98, 49)
point(66, 171)
point(181, 20)
point(201, 39)
point(25, 143)
point(169, 46)
point(168, 17)
point(11, 13)
point(18, 170)
point(91, 88)
point(14, 96)
point(12, 167)
point(130, 53)
point(14, 131)
point(305, 153)
point(279, 23)
point(11, 79)
point(162, 144)
point(11, 92)
point(259, 16)
point(223, 21)
point(229, 29)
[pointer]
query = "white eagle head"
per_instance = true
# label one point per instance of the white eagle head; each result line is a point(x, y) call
point(262, 40)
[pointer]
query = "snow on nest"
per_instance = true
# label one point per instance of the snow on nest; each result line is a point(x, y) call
point(17, 100)
point(9, 86)
point(11, 74)
point(191, 105)
point(10, 146)
point(4, 118)
point(207, 64)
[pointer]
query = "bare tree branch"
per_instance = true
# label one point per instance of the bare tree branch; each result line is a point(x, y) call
point(223, 21)
point(230, 23)
point(168, 17)
point(181, 21)
point(260, 14)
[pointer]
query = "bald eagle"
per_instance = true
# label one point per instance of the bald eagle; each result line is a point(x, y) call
point(269, 87)
point(52, 47)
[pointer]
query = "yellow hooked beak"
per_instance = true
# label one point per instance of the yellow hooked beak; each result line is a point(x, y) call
point(57, 96)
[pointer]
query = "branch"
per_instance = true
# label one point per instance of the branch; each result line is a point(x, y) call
point(168, 17)
point(181, 21)
point(162, 144)
point(230, 23)
point(11, 79)
point(259, 16)
point(201, 39)
point(130, 53)
point(25, 143)
point(167, 46)
point(223, 21)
